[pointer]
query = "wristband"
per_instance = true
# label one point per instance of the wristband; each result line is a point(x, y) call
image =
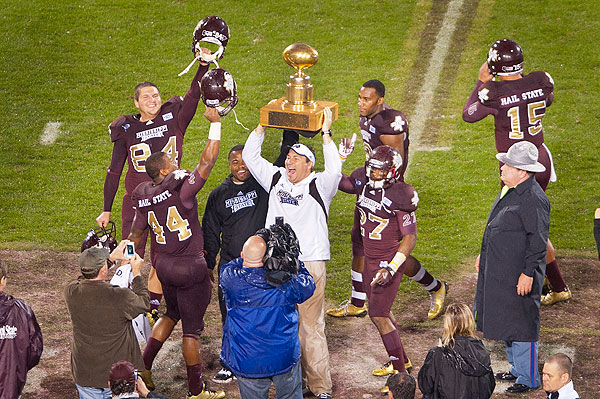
point(215, 131)
point(326, 132)
point(398, 260)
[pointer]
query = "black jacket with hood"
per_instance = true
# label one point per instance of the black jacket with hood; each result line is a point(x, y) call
point(460, 372)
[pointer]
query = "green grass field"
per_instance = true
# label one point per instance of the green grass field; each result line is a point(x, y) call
point(77, 63)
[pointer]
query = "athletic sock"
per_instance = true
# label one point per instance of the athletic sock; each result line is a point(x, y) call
point(358, 291)
point(423, 277)
point(597, 235)
point(557, 283)
point(150, 351)
point(155, 300)
point(395, 349)
point(194, 375)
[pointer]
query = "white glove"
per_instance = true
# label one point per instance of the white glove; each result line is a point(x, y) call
point(346, 147)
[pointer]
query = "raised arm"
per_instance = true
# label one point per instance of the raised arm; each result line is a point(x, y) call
point(261, 169)
point(474, 110)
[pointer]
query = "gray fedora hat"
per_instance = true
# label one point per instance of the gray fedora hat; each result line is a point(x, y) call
point(522, 155)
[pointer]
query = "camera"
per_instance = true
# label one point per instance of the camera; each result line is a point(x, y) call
point(130, 250)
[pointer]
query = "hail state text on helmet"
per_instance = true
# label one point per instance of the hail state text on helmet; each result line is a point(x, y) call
point(219, 38)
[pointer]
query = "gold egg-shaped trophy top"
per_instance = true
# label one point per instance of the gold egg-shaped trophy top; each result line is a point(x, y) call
point(300, 56)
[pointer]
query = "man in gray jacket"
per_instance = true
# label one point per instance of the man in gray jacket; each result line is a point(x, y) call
point(512, 265)
point(101, 315)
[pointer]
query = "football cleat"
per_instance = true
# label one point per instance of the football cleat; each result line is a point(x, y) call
point(553, 297)
point(224, 376)
point(545, 286)
point(147, 378)
point(388, 369)
point(153, 317)
point(437, 301)
point(206, 394)
point(347, 309)
point(385, 389)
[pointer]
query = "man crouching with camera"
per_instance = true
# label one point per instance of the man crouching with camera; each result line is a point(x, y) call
point(260, 336)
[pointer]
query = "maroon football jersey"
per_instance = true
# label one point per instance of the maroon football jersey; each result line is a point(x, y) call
point(518, 107)
point(134, 140)
point(388, 121)
point(176, 228)
point(141, 139)
point(386, 215)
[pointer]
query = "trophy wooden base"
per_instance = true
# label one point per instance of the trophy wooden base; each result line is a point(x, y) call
point(282, 115)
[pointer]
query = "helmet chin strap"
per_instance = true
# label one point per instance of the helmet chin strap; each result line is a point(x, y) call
point(204, 58)
point(237, 121)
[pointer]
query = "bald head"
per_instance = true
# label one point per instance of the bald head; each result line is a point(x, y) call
point(253, 251)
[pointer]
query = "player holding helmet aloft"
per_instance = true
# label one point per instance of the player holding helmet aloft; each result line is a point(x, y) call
point(168, 206)
point(382, 125)
point(157, 127)
point(518, 103)
point(388, 228)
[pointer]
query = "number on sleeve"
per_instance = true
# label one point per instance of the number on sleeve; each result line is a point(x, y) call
point(408, 219)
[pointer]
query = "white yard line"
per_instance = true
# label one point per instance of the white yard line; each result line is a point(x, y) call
point(50, 133)
point(432, 77)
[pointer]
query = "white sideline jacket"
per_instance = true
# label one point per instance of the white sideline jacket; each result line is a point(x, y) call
point(293, 201)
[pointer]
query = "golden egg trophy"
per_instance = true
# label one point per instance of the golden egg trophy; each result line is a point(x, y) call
point(298, 110)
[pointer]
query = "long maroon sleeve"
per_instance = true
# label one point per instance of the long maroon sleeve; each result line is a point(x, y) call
point(113, 174)
point(190, 188)
point(346, 184)
point(191, 99)
point(474, 110)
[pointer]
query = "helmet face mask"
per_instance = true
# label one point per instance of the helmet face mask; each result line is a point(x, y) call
point(383, 167)
point(102, 237)
point(505, 58)
point(218, 90)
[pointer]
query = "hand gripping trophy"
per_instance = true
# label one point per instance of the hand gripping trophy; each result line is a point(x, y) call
point(298, 110)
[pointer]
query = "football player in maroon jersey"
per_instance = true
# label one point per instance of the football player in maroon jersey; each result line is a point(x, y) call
point(518, 103)
point(157, 127)
point(167, 205)
point(388, 228)
point(382, 125)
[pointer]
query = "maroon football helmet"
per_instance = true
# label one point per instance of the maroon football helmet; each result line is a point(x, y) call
point(211, 30)
point(218, 90)
point(387, 159)
point(101, 237)
point(505, 58)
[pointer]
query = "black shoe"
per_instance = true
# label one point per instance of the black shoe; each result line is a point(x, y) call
point(506, 376)
point(518, 388)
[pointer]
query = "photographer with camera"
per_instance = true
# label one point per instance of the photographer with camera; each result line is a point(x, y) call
point(260, 336)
